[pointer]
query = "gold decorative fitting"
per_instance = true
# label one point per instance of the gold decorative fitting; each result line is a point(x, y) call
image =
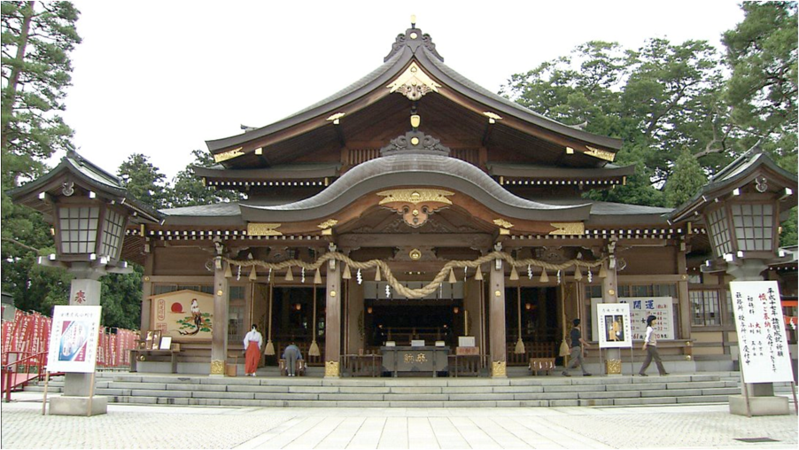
point(601, 154)
point(415, 205)
point(414, 141)
point(497, 294)
point(499, 369)
point(331, 369)
point(416, 255)
point(330, 223)
point(413, 83)
point(263, 229)
point(492, 117)
point(414, 35)
point(332, 293)
point(335, 118)
point(146, 278)
point(217, 367)
point(259, 151)
point(230, 154)
point(416, 120)
point(567, 228)
point(613, 366)
point(611, 292)
point(503, 223)
point(415, 196)
point(220, 292)
point(569, 151)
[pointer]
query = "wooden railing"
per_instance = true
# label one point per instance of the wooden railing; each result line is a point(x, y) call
point(531, 350)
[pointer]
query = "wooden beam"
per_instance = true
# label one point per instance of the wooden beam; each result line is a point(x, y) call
point(468, 240)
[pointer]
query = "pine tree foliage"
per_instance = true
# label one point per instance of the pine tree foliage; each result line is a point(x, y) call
point(188, 190)
point(686, 179)
point(37, 38)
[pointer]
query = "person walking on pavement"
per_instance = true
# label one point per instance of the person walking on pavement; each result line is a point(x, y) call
point(577, 343)
point(291, 354)
point(252, 351)
point(651, 347)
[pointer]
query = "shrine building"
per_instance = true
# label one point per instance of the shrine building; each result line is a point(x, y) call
point(415, 208)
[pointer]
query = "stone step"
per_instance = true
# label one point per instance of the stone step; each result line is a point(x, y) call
point(137, 388)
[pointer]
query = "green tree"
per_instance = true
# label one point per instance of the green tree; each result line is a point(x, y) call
point(658, 99)
point(188, 190)
point(143, 180)
point(685, 181)
point(762, 91)
point(762, 53)
point(37, 38)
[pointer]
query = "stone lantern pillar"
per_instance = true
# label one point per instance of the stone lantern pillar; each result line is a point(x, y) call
point(90, 211)
point(741, 208)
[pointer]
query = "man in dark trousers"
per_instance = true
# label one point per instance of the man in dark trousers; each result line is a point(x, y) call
point(291, 354)
point(576, 355)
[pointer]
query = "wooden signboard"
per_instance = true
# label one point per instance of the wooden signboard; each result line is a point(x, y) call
point(185, 315)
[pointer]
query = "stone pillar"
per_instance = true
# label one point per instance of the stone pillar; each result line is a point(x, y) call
point(610, 294)
point(219, 324)
point(762, 401)
point(333, 319)
point(83, 292)
point(496, 299)
point(78, 398)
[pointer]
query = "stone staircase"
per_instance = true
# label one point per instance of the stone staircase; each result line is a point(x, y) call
point(314, 391)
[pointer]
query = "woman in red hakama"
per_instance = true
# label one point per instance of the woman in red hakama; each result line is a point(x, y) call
point(252, 351)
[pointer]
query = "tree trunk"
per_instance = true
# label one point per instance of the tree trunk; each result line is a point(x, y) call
point(11, 90)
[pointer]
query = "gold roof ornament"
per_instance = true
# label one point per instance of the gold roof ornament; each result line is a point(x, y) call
point(415, 205)
point(601, 154)
point(492, 117)
point(230, 154)
point(567, 228)
point(336, 117)
point(263, 229)
point(413, 83)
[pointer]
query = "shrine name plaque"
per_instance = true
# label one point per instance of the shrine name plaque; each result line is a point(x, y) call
point(399, 360)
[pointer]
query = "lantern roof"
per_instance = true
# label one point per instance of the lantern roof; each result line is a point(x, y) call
point(754, 169)
point(76, 174)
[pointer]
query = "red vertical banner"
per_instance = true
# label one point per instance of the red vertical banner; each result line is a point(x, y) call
point(109, 354)
point(100, 347)
point(18, 318)
point(48, 322)
point(8, 329)
point(23, 342)
point(36, 333)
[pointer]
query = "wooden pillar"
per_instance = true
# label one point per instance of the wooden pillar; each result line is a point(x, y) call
point(497, 324)
point(146, 292)
point(219, 323)
point(333, 319)
point(610, 294)
point(683, 297)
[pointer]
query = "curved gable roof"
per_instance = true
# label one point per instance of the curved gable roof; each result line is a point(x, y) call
point(414, 170)
point(406, 49)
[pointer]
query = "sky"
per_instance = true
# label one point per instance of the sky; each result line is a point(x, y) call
point(161, 78)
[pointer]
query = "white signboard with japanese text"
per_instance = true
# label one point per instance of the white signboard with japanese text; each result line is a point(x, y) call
point(640, 309)
point(73, 339)
point(761, 334)
point(614, 325)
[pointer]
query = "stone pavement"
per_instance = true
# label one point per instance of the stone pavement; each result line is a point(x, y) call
point(173, 427)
